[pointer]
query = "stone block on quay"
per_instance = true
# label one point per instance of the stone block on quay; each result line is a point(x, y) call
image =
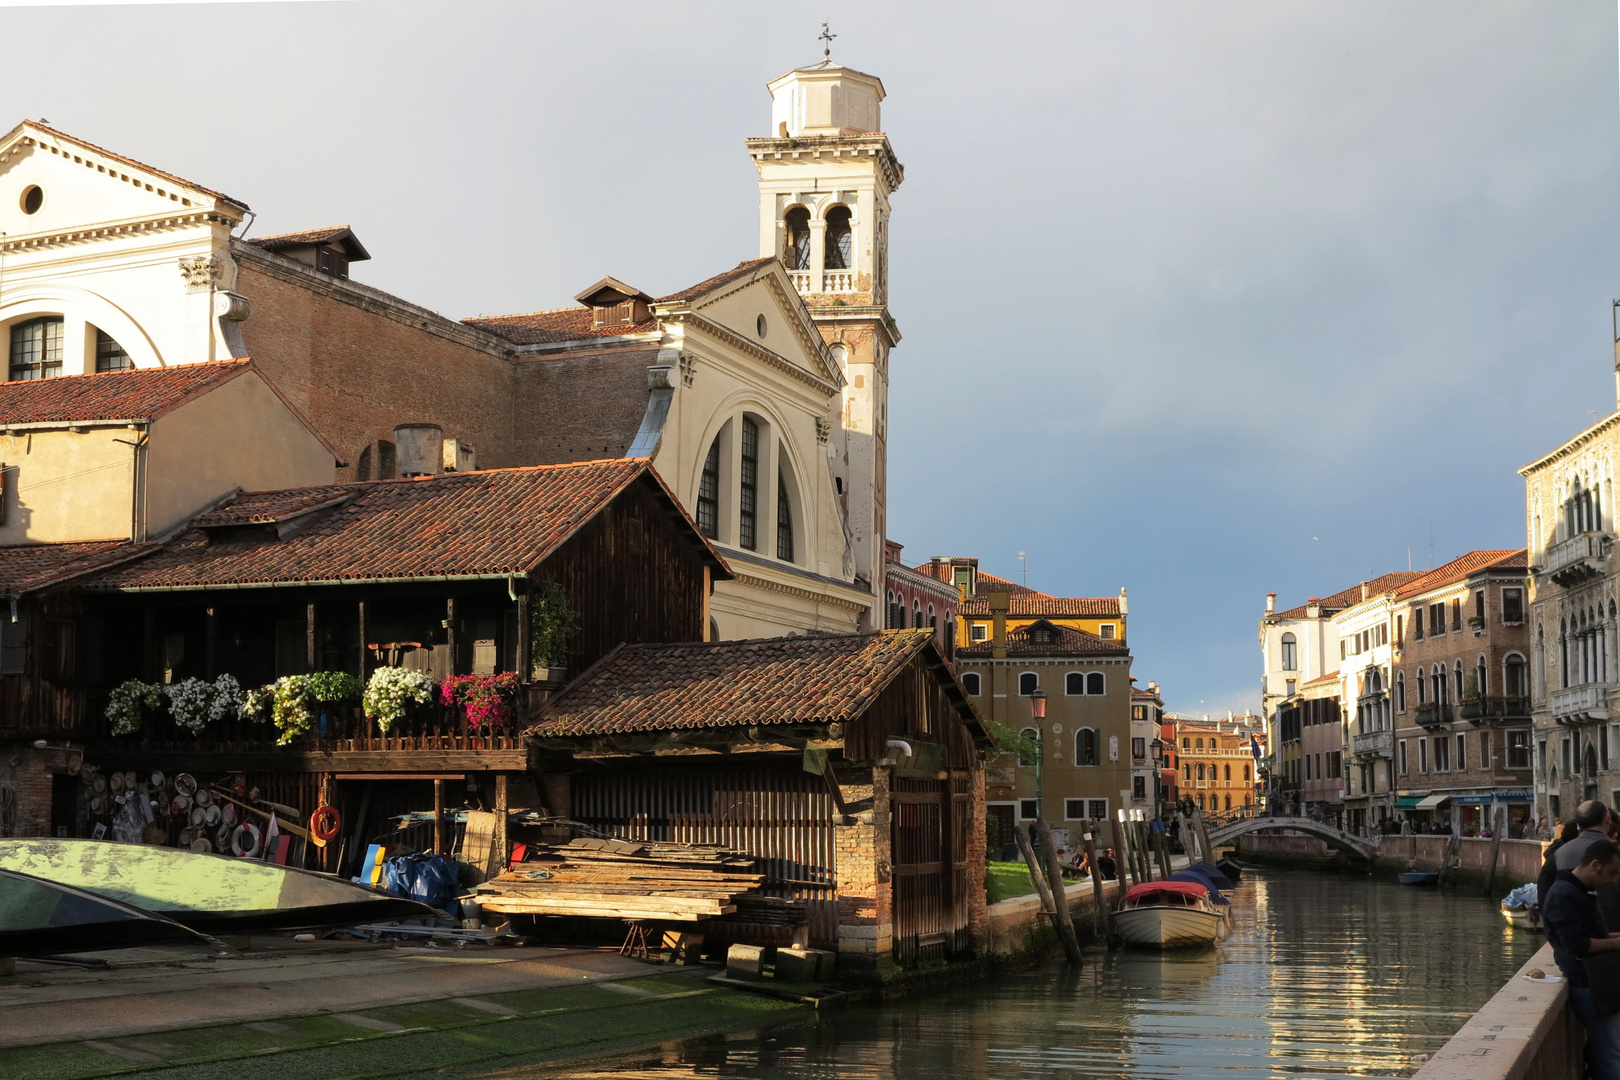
point(746, 961)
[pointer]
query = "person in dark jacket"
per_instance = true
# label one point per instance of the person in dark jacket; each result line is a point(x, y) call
point(1593, 818)
point(1575, 930)
point(1549, 862)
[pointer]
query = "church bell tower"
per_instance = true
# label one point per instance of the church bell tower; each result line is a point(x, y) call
point(825, 177)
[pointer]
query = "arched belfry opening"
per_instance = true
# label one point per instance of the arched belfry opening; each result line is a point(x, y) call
point(796, 239)
point(840, 239)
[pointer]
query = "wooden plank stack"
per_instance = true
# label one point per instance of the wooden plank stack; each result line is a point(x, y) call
point(617, 879)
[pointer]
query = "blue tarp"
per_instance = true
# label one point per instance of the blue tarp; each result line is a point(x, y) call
point(1215, 877)
point(1189, 875)
point(429, 878)
point(1522, 897)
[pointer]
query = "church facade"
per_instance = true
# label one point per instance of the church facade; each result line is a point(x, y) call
point(759, 394)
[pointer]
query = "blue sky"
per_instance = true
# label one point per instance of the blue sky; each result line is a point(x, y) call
point(1203, 300)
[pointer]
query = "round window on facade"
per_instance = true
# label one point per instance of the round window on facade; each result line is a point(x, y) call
point(759, 325)
point(33, 197)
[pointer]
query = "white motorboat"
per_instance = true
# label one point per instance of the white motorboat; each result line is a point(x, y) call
point(1168, 915)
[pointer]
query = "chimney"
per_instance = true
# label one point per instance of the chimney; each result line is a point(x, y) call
point(1366, 590)
point(1271, 603)
point(999, 603)
point(1313, 607)
point(1124, 607)
point(420, 448)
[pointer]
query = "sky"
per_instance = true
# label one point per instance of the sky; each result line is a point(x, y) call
point(1199, 300)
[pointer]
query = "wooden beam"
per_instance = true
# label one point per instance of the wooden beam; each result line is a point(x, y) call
point(439, 845)
point(309, 638)
point(499, 847)
point(523, 657)
point(211, 649)
point(419, 763)
point(362, 606)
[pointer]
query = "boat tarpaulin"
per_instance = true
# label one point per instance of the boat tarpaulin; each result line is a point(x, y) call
point(1148, 889)
point(1432, 802)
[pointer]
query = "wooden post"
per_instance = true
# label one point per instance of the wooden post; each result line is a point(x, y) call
point(1036, 875)
point(363, 651)
point(1103, 928)
point(439, 845)
point(451, 641)
point(358, 849)
point(1060, 898)
point(1122, 858)
point(211, 645)
point(1498, 821)
point(524, 660)
point(309, 638)
point(149, 658)
point(1145, 846)
point(1189, 839)
point(1203, 837)
point(499, 847)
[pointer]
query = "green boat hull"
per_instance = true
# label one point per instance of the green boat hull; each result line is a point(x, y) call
point(42, 918)
point(208, 893)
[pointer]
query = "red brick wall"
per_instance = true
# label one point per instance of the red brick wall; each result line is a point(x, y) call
point(581, 408)
point(862, 868)
point(356, 373)
point(30, 784)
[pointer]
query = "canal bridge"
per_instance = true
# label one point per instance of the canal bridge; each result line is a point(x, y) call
point(1360, 847)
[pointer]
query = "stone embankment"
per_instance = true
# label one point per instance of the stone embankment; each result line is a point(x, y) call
point(1517, 861)
point(1524, 1032)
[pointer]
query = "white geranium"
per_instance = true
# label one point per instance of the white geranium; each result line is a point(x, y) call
point(391, 690)
point(126, 703)
point(189, 702)
point(227, 697)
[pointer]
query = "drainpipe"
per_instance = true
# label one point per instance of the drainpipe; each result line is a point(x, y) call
point(999, 602)
point(136, 482)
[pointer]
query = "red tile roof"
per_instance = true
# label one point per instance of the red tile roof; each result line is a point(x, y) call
point(329, 235)
point(29, 567)
point(1349, 597)
point(494, 523)
point(139, 394)
point(129, 161)
point(562, 324)
point(1034, 605)
point(794, 680)
point(741, 270)
point(1460, 568)
point(1067, 642)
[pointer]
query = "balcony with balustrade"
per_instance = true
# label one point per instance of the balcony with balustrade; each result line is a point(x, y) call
point(1484, 711)
point(1576, 705)
point(1580, 558)
point(1434, 714)
point(1374, 744)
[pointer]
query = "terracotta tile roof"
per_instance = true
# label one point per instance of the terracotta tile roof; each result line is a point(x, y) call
point(1067, 642)
point(1322, 680)
point(130, 161)
point(1034, 605)
point(741, 270)
point(139, 394)
point(563, 324)
point(1349, 597)
point(329, 235)
point(492, 523)
point(29, 567)
point(1459, 568)
point(794, 680)
point(986, 583)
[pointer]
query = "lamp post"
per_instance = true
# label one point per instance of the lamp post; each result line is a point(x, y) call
point(1037, 712)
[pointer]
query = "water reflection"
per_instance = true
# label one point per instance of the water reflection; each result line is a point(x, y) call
point(1322, 976)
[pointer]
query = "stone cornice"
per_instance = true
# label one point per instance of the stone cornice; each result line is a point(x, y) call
point(114, 229)
point(797, 593)
point(1606, 424)
point(371, 300)
point(873, 145)
point(863, 313)
point(914, 580)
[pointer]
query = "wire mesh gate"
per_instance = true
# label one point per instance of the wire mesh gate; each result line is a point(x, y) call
point(929, 823)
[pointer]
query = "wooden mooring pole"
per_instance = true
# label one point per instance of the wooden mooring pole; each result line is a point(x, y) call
point(1048, 901)
point(1060, 898)
point(1103, 928)
point(1498, 823)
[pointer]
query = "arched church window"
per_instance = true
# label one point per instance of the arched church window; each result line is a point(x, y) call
point(784, 521)
point(362, 465)
point(797, 255)
point(36, 349)
point(840, 239)
point(748, 489)
point(110, 356)
point(708, 504)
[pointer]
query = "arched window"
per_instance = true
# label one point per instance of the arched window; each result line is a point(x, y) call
point(1200, 770)
point(1482, 682)
point(1028, 683)
point(1227, 773)
point(110, 356)
point(1095, 683)
point(1437, 684)
point(1457, 681)
point(1200, 744)
point(1418, 679)
point(784, 521)
point(1029, 747)
point(748, 489)
point(708, 502)
point(1186, 772)
point(1200, 800)
point(1289, 646)
point(970, 682)
point(1074, 684)
point(1400, 691)
point(796, 251)
point(1246, 773)
point(1514, 681)
point(840, 239)
point(1085, 747)
point(916, 615)
point(1229, 802)
point(36, 349)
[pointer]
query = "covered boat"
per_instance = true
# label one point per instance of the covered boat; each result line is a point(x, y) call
point(1167, 914)
point(1231, 869)
point(1519, 907)
point(1418, 877)
point(210, 893)
point(42, 918)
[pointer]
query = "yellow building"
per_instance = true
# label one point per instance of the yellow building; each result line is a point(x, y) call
point(1102, 617)
point(1217, 763)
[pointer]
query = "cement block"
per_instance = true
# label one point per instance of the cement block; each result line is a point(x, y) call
point(746, 961)
point(795, 966)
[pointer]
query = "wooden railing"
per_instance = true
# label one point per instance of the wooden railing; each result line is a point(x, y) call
point(339, 728)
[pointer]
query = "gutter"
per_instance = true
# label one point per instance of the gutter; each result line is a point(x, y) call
point(323, 582)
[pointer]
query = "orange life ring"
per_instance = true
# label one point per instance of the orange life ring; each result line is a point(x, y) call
point(325, 823)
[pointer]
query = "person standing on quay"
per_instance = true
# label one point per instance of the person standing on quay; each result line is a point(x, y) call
point(1576, 931)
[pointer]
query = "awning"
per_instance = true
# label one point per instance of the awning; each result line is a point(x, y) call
point(1475, 799)
point(1432, 802)
point(1408, 802)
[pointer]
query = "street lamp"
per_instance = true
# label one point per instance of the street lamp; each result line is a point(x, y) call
point(1037, 712)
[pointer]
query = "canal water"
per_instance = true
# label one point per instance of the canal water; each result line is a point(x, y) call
point(1323, 975)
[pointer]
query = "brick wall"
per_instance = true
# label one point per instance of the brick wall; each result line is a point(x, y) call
point(581, 408)
point(30, 784)
point(355, 372)
point(978, 921)
point(861, 850)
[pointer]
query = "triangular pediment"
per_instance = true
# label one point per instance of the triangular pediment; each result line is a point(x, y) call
point(758, 304)
point(51, 183)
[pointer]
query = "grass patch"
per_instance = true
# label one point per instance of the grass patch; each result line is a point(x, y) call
point(1006, 880)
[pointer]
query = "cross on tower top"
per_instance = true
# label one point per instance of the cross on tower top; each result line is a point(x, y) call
point(827, 39)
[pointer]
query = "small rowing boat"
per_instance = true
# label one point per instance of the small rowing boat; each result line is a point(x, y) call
point(1167, 915)
point(1418, 877)
point(211, 893)
point(42, 918)
point(1520, 909)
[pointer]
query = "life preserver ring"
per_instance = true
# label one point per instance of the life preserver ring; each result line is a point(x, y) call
point(325, 823)
point(251, 830)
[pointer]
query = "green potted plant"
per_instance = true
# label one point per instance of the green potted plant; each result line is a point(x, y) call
point(552, 623)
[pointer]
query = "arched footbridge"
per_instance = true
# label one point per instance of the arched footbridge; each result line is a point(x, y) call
point(1358, 846)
